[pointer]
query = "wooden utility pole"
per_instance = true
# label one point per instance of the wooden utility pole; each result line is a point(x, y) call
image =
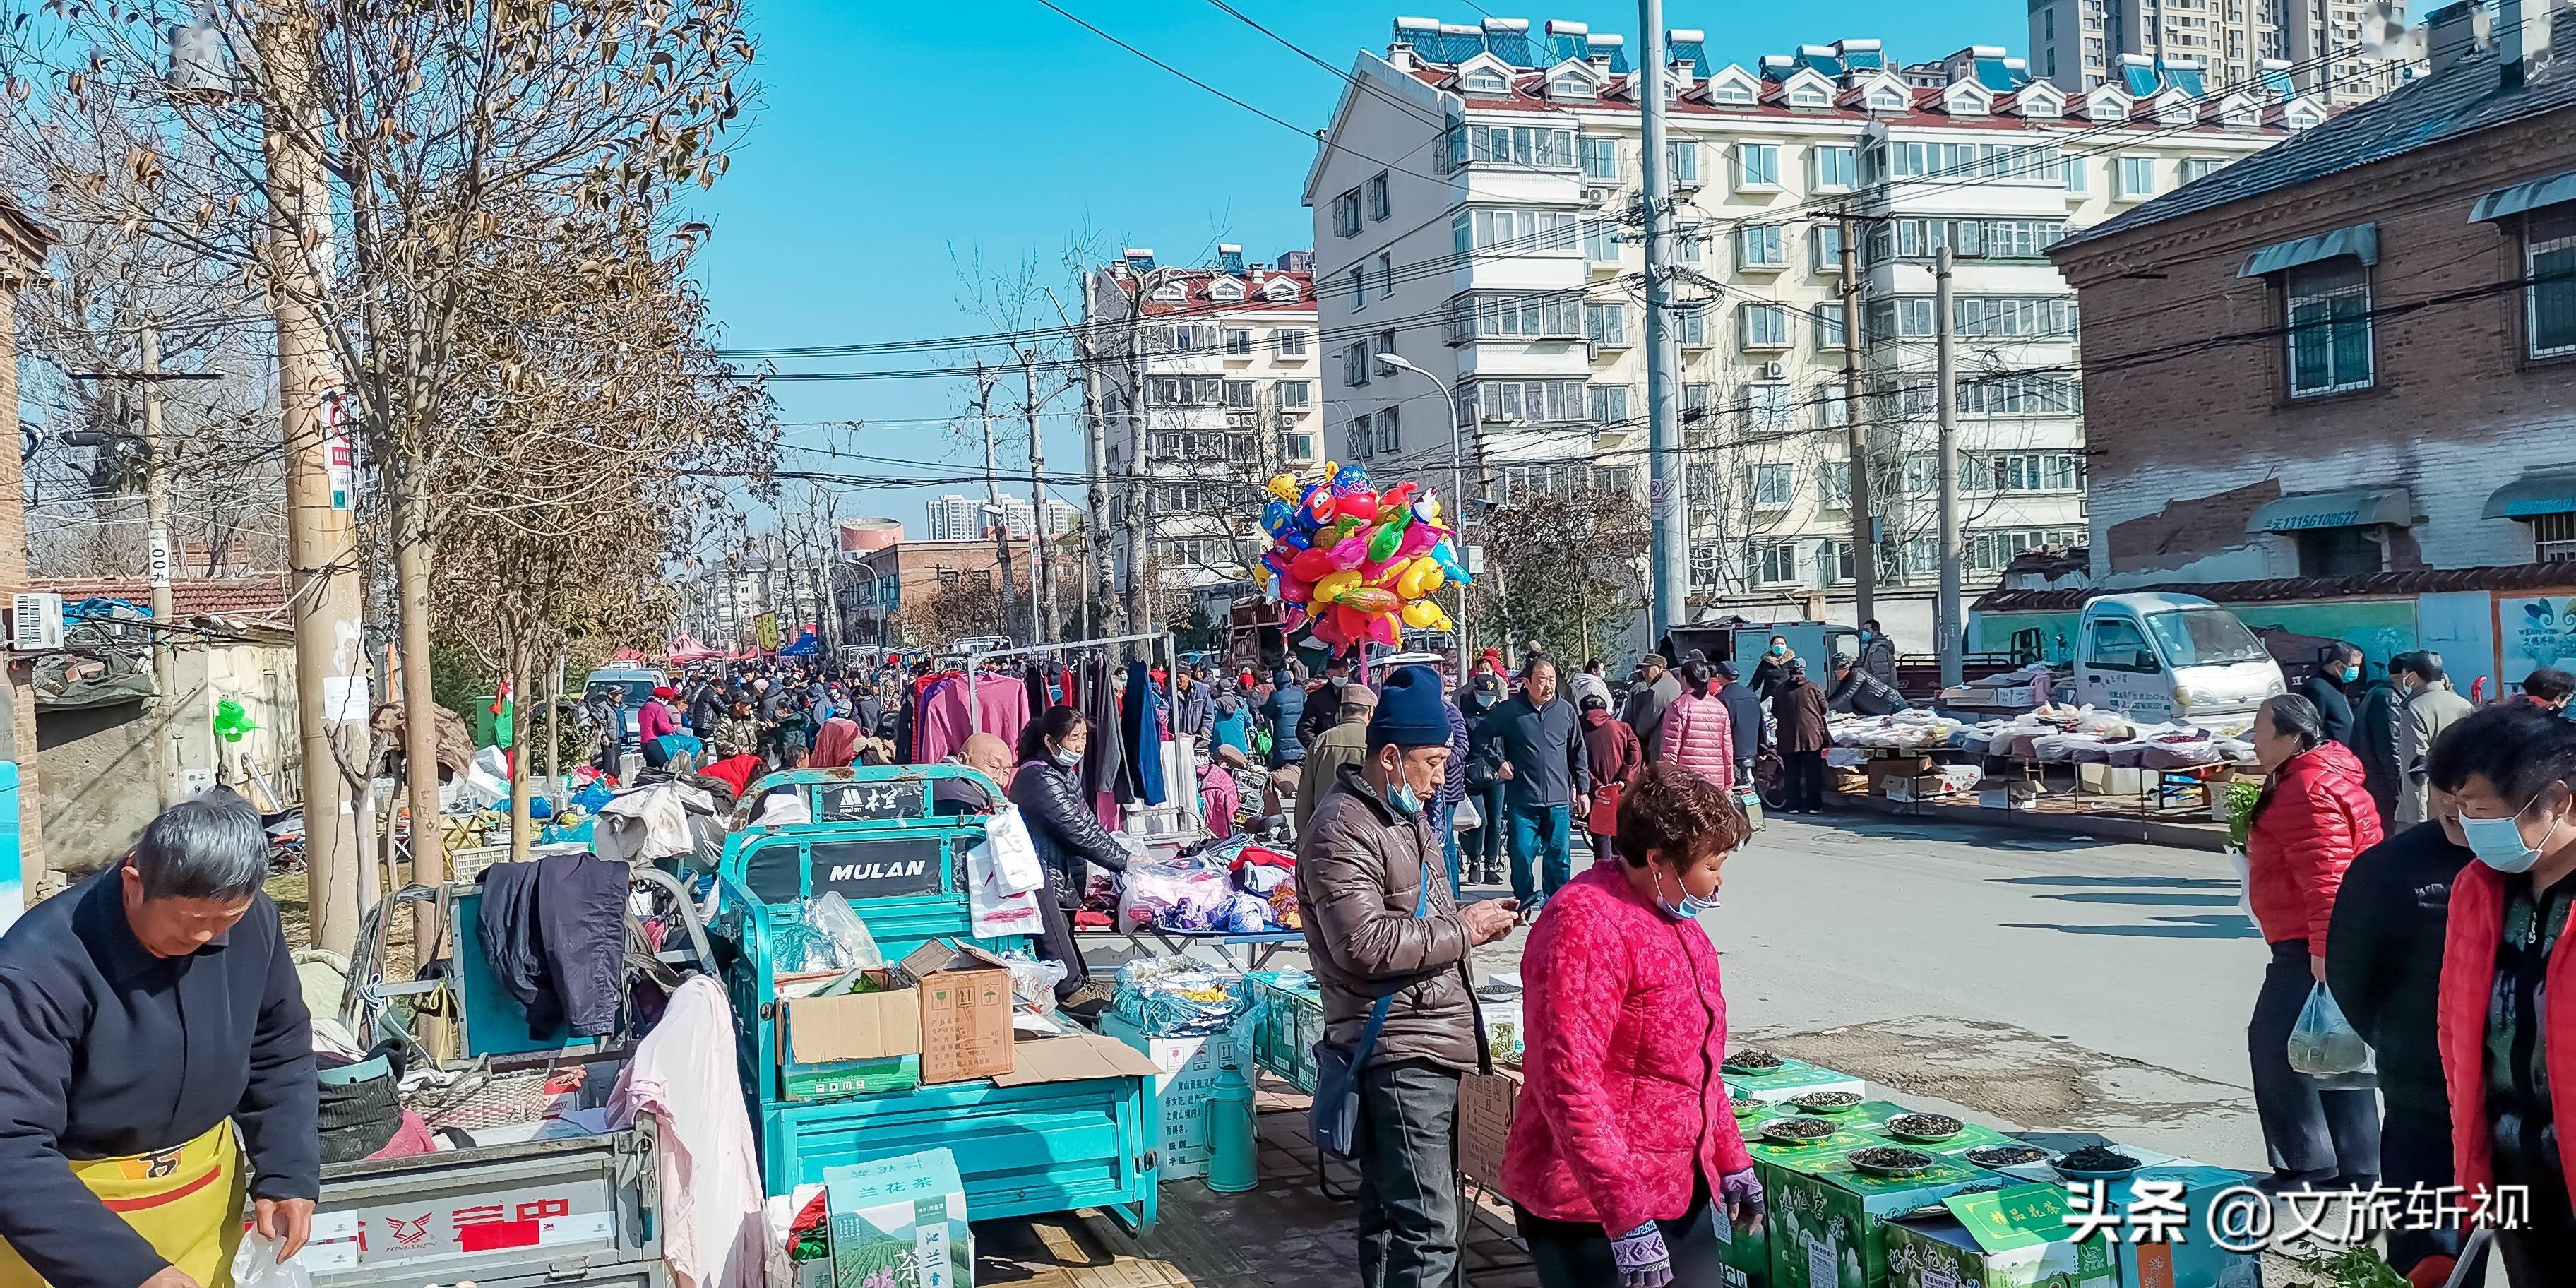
point(993, 497)
point(321, 479)
point(156, 523)
point(1042, 586)
point(1864, 523)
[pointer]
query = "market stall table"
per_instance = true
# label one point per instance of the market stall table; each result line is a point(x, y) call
point(1244, 952)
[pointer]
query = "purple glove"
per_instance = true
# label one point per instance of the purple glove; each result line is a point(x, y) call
point(1643, 1262)
point(1741, 1192)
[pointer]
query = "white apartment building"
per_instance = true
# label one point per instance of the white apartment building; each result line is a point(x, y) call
point(1213, 374)
point(2321, 45)
point(956, 518)
point(1476, 206)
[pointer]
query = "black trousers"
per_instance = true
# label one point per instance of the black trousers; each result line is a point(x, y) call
point(1482, 847)
point(2533, 1260)
point(2415, 1149)
point(1055, 943)
point(1411, 1212)
point(1806, 771)
point(1576, 1254)
point(1602, 846)
point(2308, 1133)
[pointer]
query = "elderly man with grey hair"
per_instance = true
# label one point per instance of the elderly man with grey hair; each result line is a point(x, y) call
point(152, 1034)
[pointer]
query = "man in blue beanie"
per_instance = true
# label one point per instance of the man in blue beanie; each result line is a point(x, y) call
point(1381, 923)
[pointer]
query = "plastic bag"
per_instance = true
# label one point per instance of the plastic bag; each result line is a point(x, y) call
point(255, 1265)
point(844, 941)
point(1469, 817)
point(996, 913)
point(1010, 852)
point(2323, 1043)
point(1033, 984)
point(1173, 896)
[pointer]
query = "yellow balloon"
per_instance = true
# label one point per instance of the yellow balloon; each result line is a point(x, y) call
point(1432, 577)
point(1284, 486)
point(1409, 583)
point(1329, 587)
point(1424, 615)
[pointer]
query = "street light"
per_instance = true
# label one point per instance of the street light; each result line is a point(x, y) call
point(1389, 363)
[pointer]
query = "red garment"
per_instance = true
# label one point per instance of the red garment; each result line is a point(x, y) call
point(2476, 930)
point(2315, 817)
point(1697, 736)
point(1616, 757)
point(1622, 1107)
point(737, 771)
point(655, 720)
point(834, 745)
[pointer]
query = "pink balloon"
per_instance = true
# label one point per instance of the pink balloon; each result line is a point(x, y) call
point(1418, 539)
point(1381, 627)
point(1292, 616)
point(1352, 552)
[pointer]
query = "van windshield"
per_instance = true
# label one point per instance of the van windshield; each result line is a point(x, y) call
point(2203, 637)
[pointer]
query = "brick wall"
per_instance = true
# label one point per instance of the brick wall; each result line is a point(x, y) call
point(2179, 446)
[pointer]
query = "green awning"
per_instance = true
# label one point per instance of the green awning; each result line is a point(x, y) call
point(2506, 202)
point(2361, 241)
point(2533, 495)
point(2352, 508)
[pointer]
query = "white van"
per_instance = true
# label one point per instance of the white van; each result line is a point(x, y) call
point(2172, 657)
point(636, 683)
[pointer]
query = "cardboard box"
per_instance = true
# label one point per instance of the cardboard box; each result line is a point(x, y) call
point(1188, 1072)
point(2112, 780)
point(1288, 1020)
point(2195, 1261)
point(1954, 780)
point(1078, 1057)
point(900, 1220)
point(854, 1044)
point(965, 1011)
point(1886, 769)
point(1829, 1220)
point(2009, 1238)
point(1486, 1104)
point(2008, 796)
point(1792, 1078)
point(1971, 1136)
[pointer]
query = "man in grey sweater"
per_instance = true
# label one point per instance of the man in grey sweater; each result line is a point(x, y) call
point(1535, 743)
point(1655, 689)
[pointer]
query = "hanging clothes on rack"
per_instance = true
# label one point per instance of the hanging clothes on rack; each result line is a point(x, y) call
point(1141, 729)
point(1000, 707)
point(1104, 765)
point(1040, 698)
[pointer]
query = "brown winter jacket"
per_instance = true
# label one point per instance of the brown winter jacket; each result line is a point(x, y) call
point(1799, 707)
point(1360, 867)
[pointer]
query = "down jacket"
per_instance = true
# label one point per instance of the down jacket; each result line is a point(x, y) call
point(2476, 930)
point(1064, 830)
point(1360, 869)
point(2314, 816)
point(1621, 1107)
point(1699, 735)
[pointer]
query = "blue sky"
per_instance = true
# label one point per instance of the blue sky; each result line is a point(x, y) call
point(890, 138)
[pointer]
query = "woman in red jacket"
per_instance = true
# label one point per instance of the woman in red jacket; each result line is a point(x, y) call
point(2506, 1014)
point(1624, 1137)
point(2314, 816)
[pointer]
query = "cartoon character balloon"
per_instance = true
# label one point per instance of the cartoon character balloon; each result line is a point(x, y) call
point(1355, 563)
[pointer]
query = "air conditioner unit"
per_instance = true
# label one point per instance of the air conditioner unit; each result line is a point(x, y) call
point(1287, 420)
point(35, 622)
point(1775, 369)
point(1598, 196)
point(1241, 419)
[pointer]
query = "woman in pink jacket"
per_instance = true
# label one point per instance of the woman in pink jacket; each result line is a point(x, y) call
point(1696, 734)
point(1624, 1136)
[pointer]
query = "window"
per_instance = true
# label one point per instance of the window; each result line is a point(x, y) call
point(1356, 439)
point(1905, 319)
point(1690, 245)
point(1772, 487)
point(1601, 160)
point(1833, 561)
point(1761, 246)
point(1186, 338)
point(2553, 537)
point(1809, 95)
point(1681, 156)
point(1553, 316)
point(1835, 478)
point(1379, 203)
point(1518, 230)
point(1769, 408)
point(1390, 431)
point(1528, 400)
point(1828, 243)
point(2328, 312)
point(2021, 396)
point(2549, 260)
point(1601, 241)
point(1290, 342)
point(1832, 412)
point(1296, 395)
point(1385, 274)
point(2199, 167)
point(1571, 87)
point(1297, 446)
point(1831, 333)
point(1606, 325)
point(1187, 391)
point(2337, 552)
point(2209, 636)
point(2015, 162)
point(1690, 325)
point(2116, 644)
point(2137, 178)
point(1694, 400)
point(1238, 393)
point(1346, 214)
point(1730, 89)
point(1766, 326)
point(1837, 167)
point(1238, 340)
point(1757, 167)
point(1486, 82)
point(1355, 365)
point(1990, 238)
point(2031, 471)
point(1609, 404)
point(1359, 287)
point(1527, 146)
point(2013, 317)
point(1775, 563)
point(2077, 181)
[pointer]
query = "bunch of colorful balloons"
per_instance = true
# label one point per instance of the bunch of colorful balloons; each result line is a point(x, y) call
point(1349, 562)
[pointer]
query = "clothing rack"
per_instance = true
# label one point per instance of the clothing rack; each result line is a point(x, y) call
point(1185, 794)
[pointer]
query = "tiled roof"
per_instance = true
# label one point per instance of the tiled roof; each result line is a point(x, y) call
point(2415, 115)
point(254, 596)
point(2420, 581)
point(1196, 282)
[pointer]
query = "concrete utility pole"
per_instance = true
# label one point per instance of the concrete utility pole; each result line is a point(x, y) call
point(331, 697)
point(1042, 586)
point(1668, 497)
point(1864, 520)
point(156, 522)
point(1140, 592)
point(1947, 622)
point(993, 494)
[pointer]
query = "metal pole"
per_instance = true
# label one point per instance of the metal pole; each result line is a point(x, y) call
point(1458, 520)
point(1668, 505)
point(330, 686)
point(1140, 592)
point(156, 520)
point(1095, 542)
point(1042, 586)
point(1864, 534)
point(993, 494)
point(1948, 623)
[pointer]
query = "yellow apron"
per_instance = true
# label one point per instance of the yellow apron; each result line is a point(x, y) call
point(186, 1201)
